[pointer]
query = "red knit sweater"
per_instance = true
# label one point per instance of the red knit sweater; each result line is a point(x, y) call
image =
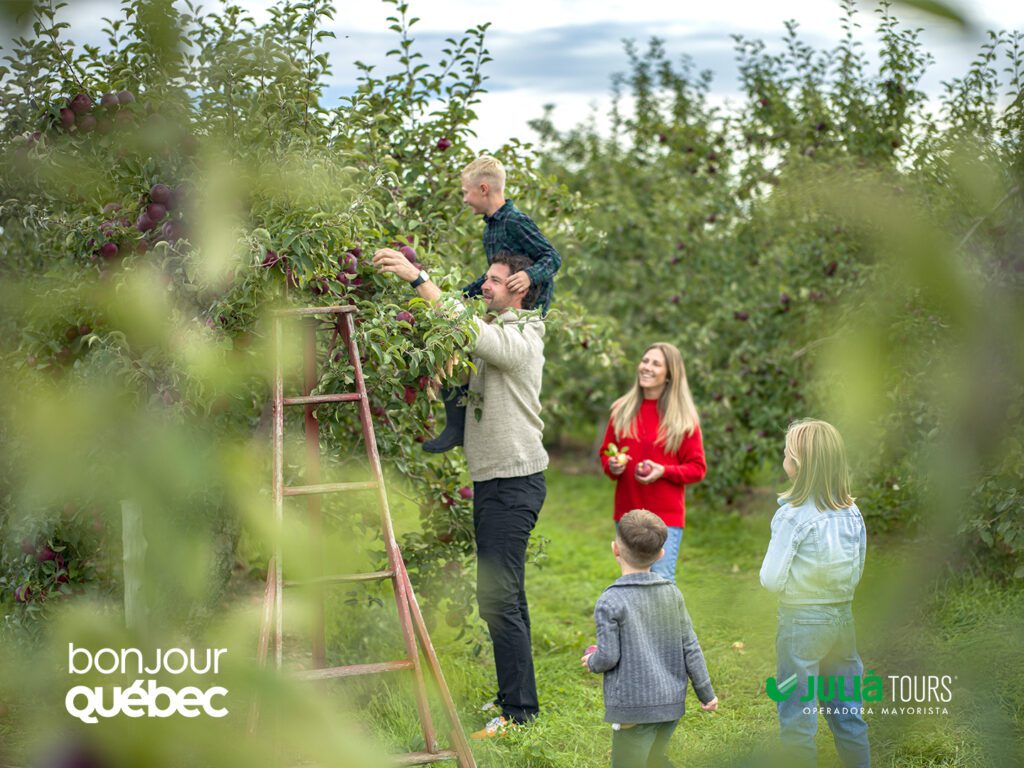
point(666, 496)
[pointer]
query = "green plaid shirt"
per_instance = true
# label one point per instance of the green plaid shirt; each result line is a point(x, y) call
point(509, 229)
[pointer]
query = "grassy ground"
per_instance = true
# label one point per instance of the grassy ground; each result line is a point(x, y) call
point(970, 631)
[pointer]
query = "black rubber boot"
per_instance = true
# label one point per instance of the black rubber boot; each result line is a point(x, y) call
point(455, 421)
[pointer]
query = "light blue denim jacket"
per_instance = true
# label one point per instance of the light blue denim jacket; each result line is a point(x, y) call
point(814, 556)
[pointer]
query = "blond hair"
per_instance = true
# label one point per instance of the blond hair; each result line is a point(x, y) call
point(486, 168)
point(678, 414)
point(822, 474)
point(641, 535)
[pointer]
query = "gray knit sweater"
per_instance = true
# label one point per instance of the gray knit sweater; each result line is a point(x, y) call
point(647, 649)
point(503, 425)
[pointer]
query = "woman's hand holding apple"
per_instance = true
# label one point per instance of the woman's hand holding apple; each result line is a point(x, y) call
point(649, 471)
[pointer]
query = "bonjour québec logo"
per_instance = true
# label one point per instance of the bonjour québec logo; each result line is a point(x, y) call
point(145, 697)
point(906, 694)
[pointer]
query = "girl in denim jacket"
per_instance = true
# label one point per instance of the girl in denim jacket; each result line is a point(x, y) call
point(814, 561)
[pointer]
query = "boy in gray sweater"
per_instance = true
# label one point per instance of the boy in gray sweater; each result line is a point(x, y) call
point(646, 649)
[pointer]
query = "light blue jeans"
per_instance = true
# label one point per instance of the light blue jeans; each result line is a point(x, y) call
point(820, 640)
point(666, 567)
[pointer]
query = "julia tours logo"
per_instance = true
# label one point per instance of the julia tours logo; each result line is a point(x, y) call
point(904, 695)
point(145, 697)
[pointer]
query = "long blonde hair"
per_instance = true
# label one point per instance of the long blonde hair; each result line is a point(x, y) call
point(678, 414)
point(822, 474)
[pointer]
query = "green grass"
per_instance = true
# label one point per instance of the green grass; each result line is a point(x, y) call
point(971, 630)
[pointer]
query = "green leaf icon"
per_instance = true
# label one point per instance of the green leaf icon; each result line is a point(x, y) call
point(780, 692)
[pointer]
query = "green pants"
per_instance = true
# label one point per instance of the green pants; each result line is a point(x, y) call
point(642, 746)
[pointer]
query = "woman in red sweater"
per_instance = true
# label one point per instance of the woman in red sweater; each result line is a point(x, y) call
point(658, 422)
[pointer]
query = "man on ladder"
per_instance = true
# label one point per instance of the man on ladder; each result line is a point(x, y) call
point(506, 458)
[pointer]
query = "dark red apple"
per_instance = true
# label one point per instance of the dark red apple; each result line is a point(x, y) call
point(348, 262)
point(71, 333)
point(84, 329)
point(830, 268)
point(67, 117)
point(405, 317)
point(22, 594)
point(171, 231)
point(662, 138)
point(161, 194)
point(108, 250)
point(409, 395)
point(643, 469)
point(109, 101)
point(741, 315)
point(784, 299)
point(270, 259)
point(466, 492)
point(141, 247)
point(144, 223)
point(409, 252)
point(80, 104)
point(443, 144)
point(156, 211)
point(125, 97)
point(45, 554)
point(675, 299)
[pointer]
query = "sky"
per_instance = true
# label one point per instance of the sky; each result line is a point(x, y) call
point(564, 52)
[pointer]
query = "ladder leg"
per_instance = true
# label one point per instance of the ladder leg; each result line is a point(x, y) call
point(394, 555)
point(313, 509)
point(278, 494)
point(266, 619)
point(458, 736)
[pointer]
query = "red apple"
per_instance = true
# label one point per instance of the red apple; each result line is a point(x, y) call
point(405, 317)
point(830, 268)
point(643, 469)
point(443, 144)
point(171, 231)
point(109, 101)
point(156, 211)
point(270, 259)
point(45, 554)
point(466, 492)
point(741, 316)
point(144, 223)
point(108, 250)
point(22, 594)
point(161, 194)
point(80, 104)
point(409, 252)
point(125, 97)
point(409, 395)
point(348, 262)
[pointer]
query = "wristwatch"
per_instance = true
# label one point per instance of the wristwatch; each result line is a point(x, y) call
point(421, 278)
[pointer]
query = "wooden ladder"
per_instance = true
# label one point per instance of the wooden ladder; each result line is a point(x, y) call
point(414, 629)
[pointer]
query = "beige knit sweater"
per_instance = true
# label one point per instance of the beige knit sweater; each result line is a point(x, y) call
point(503, 424)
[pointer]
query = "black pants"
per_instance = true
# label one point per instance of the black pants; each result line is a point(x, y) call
point(505, 511)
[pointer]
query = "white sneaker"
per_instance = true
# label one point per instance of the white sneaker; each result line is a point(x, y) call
point(497, 726)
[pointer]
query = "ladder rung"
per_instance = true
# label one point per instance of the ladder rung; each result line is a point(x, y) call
point(422, 758)
point(309, 490)
point(343, 577)
point(344, 397)
point(307, 311)
point(353, 670)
